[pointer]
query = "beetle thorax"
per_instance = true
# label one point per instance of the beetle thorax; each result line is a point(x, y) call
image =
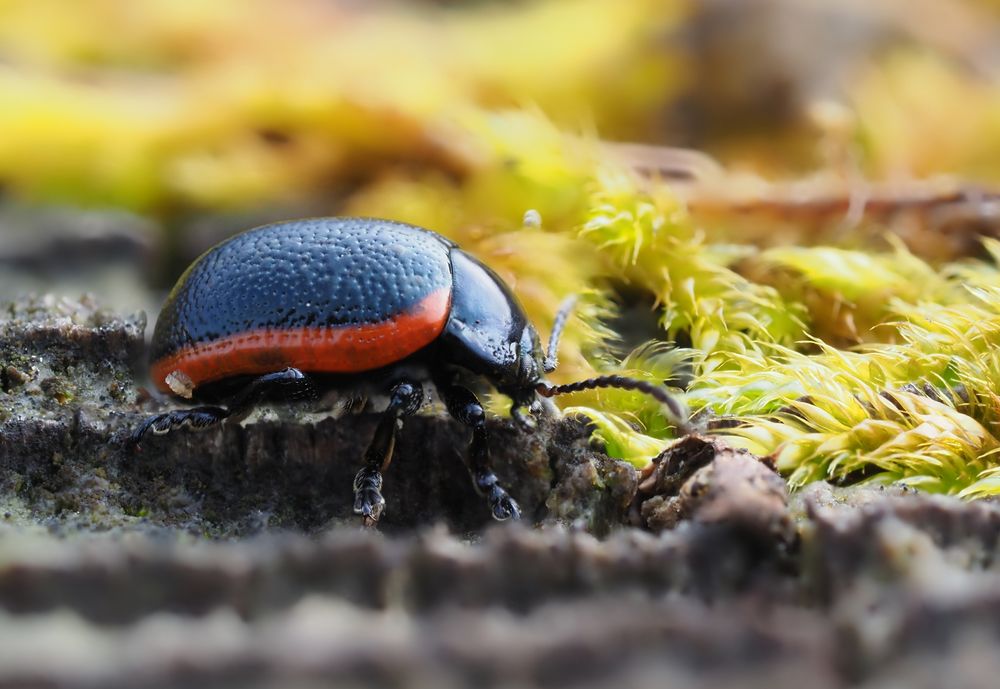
point(487, 331)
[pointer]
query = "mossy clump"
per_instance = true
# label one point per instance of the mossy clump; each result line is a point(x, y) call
point(841, 363)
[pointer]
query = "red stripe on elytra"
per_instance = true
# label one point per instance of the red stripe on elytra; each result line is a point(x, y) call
point(341, 349)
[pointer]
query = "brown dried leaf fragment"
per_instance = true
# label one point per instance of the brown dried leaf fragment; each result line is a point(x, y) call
point(705, 480)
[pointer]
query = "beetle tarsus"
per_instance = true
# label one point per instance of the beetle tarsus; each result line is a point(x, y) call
point(368, 500)
point(161, 424)
point(502, 505)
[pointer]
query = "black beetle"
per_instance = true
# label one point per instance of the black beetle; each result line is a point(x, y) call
point(304, 306)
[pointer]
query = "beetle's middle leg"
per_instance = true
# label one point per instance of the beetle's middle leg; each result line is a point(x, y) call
point(405, 399)
point(464, 406)
point(289, 384)
point(286, 385)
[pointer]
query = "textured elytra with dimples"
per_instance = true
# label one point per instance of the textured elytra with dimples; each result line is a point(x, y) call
point(342, 275)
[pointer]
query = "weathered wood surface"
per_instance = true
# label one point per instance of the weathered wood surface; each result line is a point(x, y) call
point(230, 558)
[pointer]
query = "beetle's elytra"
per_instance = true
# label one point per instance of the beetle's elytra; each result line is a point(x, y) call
point(346, 303)
point(323, 296)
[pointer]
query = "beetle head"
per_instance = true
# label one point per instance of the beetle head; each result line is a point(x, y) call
point(528, 401)
point(520, 380)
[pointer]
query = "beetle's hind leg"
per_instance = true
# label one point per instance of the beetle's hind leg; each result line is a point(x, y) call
point(464, 406)
point(289, 384)
point(198, 417)
point(405, 399)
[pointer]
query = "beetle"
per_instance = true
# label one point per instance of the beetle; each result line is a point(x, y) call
point(362, 305)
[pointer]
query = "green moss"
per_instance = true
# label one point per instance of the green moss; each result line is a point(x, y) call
point(842, 364)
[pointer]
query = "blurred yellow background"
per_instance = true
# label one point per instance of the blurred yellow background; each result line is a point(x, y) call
point(168, 105)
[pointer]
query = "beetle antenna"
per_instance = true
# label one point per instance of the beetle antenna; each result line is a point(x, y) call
point(562, 315)
point(676, 408)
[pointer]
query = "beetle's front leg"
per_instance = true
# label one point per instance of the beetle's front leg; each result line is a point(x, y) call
point(405, 399)
point(463, 405)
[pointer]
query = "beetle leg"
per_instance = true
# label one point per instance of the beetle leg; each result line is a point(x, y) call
point(463, 405)
point(405, 399)
point(198, 417)
point(290, 382)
